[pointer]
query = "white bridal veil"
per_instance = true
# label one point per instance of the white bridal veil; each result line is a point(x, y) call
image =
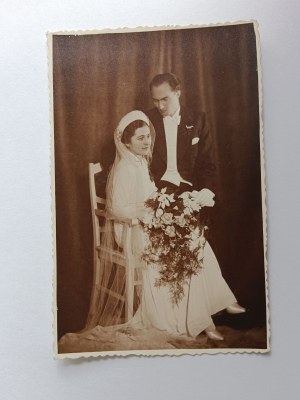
point(106, 309)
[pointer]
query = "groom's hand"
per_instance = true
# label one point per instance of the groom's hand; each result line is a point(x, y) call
point(204, 197)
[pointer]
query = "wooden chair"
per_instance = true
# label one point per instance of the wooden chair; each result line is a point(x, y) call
point(121, 257)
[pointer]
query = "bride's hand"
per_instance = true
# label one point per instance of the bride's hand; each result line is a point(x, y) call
point(205, 197)
point(141, 212)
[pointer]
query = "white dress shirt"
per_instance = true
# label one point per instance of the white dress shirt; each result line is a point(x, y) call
point(171, 127)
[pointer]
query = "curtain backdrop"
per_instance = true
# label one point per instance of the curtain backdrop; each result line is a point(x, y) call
point(99, 78)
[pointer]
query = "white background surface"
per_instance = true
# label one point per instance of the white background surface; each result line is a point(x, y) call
point(28, 370)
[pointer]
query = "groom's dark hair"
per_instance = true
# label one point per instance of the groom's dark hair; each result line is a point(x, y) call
point(167, 77)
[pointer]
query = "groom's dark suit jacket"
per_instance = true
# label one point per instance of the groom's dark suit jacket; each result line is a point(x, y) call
point(195, 158)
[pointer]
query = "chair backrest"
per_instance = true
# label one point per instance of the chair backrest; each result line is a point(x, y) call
point(122, 257)
point(97, 203)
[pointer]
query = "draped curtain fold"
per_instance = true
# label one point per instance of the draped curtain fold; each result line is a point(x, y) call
point(97, 79)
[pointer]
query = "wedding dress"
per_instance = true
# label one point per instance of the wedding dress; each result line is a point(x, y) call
point(204, 295)
point(157, 318)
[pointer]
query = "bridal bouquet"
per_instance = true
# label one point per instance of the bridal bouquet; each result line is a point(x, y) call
point(175, 239)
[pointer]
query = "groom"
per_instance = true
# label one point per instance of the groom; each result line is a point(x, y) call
point(183, 153)
point(183, 156)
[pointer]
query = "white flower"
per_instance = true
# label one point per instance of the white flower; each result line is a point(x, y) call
point(165, 199)
point(185, 195)
point(156, 223)
point(192, 205)
point(170, 231)
point(195, 206)
point(187, 211)
point(159, 213)
point(167, 218)
point(189, 201)
point(194, 238)
point(195, 233)
point(202, 241)
point(180, 220)
point(200, 254)
point(194, 243)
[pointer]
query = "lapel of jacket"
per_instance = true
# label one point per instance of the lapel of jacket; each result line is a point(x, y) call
point(160, 139)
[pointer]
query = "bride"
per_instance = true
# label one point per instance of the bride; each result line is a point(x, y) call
point(129, 186)
point(157, 317)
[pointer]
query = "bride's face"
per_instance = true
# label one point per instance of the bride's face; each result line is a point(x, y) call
point(140, 142)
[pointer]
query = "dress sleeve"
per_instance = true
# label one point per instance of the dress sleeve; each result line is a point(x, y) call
point(124, 190)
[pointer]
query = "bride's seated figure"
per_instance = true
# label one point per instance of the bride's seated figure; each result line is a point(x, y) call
point(129, 186)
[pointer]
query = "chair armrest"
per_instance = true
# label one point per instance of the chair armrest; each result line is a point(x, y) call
point(127, 221)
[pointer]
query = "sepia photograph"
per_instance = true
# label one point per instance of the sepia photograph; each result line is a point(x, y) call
point(158, 191)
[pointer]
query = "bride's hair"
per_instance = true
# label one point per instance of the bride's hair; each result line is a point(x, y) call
point(130, 129)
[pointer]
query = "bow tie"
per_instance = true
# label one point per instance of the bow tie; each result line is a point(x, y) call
point(176, 118)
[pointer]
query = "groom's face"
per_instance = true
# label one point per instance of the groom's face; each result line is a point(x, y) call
point(165, 99)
